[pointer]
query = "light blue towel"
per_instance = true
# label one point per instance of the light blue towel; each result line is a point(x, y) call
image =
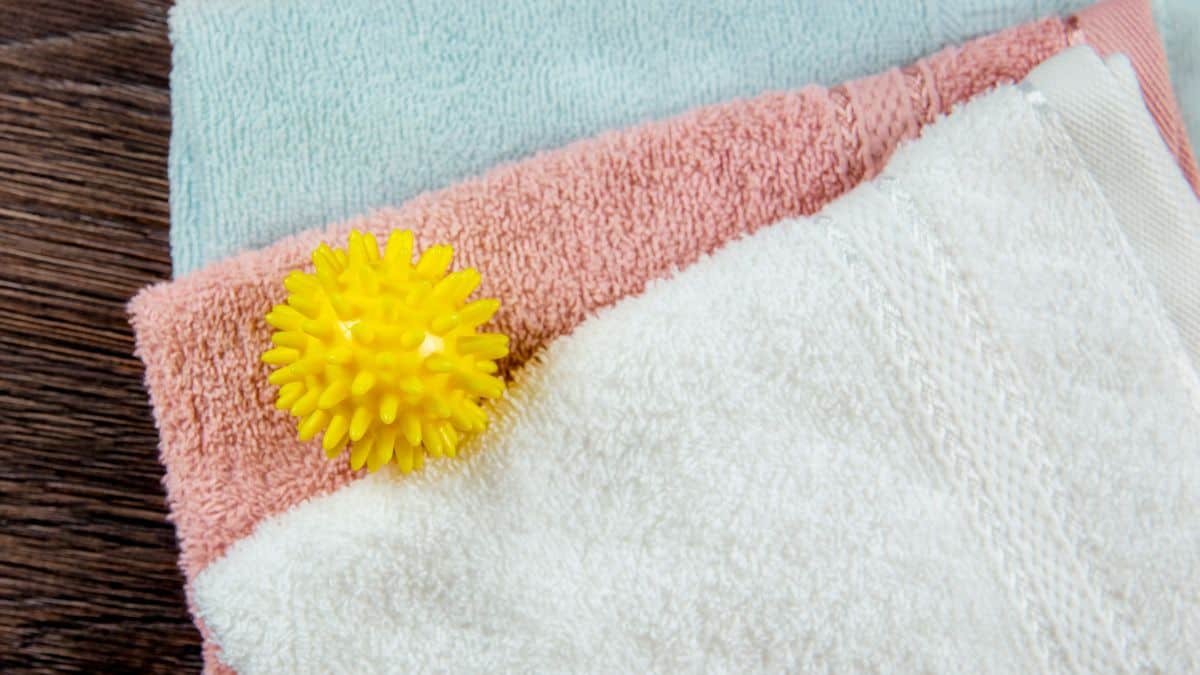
point(290, 114)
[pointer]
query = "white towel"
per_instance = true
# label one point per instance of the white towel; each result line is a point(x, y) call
point(948, 425)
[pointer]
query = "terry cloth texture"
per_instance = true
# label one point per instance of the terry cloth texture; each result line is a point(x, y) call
point(944, 426)
point(1157, 209)
point(292, 114)
point(1121, 27)
point(560, 235)
point(289, 115)
point(556, 237)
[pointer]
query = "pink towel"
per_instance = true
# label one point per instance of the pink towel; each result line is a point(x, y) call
point(556, 237)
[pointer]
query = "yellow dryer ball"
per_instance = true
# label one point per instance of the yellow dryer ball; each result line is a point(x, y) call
point(384, 355)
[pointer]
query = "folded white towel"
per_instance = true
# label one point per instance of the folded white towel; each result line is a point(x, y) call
point(1136, 173)
point(948, 425)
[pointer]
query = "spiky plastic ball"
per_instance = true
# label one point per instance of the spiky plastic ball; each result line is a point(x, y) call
point(384, 355)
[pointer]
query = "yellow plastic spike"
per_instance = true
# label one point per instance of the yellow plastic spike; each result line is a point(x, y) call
point(298, 282)
point(324, 259)
point(360, 422)
point(343, 306)
point(334, 394)
point(337, 450)
point(432, 438)
point(383, 354)
point(289, 394)
point(444, 324)
point(304, 305)
point(480, 383)
point(307, 403)
point(389, 405)
point(322, 329)
point(280, 356)
point(285, 317)
point(411, 385)
point(335, 433)
point(412, 428)
point(399, 248)
point(359, 450)
point(437, 406)
point(439, 363)
point(285, 375)
point(313, 364)
point(341, 354)
point(479, 312)
point(449, 439)
point(468, 416)
point(362, 383)
point(382, 453)
point(457, 286)
point(434, 261)
point(357, 250)
point(485, 346)
point(404, 457)
point(372, 247)
point(294, 339)
point(313, 424)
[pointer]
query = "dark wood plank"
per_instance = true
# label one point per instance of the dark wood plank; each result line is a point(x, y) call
point(88, 577)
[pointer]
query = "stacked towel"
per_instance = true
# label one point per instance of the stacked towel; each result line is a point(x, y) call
point(568, 232)
point(946, 425)
point(290, 115)
point(557, 237)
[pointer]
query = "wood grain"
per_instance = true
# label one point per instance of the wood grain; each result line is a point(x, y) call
point(88, 580)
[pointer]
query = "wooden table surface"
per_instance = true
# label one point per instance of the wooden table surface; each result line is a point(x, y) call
point(88, 577)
